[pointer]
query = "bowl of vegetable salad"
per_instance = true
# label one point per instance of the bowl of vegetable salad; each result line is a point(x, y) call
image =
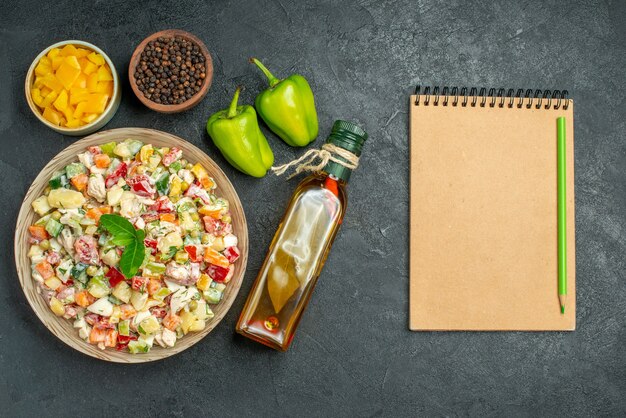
point(131, 245)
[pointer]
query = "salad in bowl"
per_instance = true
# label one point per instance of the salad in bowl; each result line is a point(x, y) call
point(132, 245)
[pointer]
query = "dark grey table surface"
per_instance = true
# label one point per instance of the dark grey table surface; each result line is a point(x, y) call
point(353, 353)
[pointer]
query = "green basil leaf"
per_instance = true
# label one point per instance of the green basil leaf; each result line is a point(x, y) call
point(119, 227)
point(132, 258)
point(140, 235)
point(123, 241)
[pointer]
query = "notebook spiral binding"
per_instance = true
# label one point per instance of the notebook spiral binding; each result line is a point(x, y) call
point(512, 97)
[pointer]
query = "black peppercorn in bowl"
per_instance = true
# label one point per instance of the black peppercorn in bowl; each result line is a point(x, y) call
point(170, 71)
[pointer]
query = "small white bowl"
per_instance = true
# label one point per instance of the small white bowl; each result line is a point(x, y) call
point(103, 119)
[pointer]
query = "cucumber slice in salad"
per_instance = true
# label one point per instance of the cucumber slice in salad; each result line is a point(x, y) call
point(79, 273)
point(58, 180)
point(108, 148)
point(97, 287)
point(133, 145)
point(175, 166)
point(124, 328)
point(74, 169)
point(137, 346)
point(212, 296)
point(54, 227)
point(161, 294)
point(157, 268)
point(162, 184)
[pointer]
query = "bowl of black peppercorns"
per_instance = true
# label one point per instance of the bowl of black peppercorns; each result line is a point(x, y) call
point(170, 71)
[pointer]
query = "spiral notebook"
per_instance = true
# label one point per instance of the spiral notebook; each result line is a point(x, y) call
point(483, 202)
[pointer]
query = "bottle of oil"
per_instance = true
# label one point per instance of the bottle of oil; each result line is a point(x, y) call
point(299, 249)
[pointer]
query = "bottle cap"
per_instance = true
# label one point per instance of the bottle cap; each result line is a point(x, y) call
point(348, 135)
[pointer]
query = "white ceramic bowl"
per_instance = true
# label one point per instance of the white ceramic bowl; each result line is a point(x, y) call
point(103, 119)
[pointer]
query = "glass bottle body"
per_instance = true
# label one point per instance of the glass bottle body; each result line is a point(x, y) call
point(294, 261)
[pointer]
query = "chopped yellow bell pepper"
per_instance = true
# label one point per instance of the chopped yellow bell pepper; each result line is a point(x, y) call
point(72, 86)
point(76, 99)
point(35, 94)
point(82, 52)
point(51, 97)
point(72, 61)
point(56, 62)
point(175, 186)
point(50, 81)
point(92, 83)
point(54, 52)
point(74, 123)
point(80, 109)
point(89, 117)
point(145, 153)
point(89, 67)
point(52, 116)
point(96, 58)
point(105, 87)
point(78, 94)
point(83, 63)
point(104, 74)
point(199, 171)
point(68, 50)
point(96, 103)
point(203, 176)
point(79, 91)
point(81, 81)
point(204, 282)
point(69, 118)
point(61, 102)
point(42, 69)
point(68, 71)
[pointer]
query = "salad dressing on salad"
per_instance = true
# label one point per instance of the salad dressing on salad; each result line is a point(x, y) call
point(132, 245)
point(299, 249)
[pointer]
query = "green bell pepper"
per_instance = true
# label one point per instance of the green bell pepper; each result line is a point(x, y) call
point(163, 184)
point(235, 131)
point(288, 108)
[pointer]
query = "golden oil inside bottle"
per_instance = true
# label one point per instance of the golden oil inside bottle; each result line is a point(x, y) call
point(295, 258)
point(299, 249)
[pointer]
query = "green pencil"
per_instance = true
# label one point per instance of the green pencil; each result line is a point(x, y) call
point(561, 212)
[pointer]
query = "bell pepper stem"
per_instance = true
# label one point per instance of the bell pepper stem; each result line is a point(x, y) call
point(273, 80)
point(232, 109)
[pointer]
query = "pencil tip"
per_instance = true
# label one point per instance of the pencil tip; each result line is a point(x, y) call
point(562, 309)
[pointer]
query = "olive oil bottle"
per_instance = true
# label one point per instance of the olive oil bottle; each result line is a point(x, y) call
point(300, 246)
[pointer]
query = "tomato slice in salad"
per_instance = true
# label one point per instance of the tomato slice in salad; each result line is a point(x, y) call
point(141, 186)
point(122, 180)
point(232, 253)
point(123, 340)
point(114, 276)
point(194, 254)
point(152, 244)
point(117, 174)
point(220, 274)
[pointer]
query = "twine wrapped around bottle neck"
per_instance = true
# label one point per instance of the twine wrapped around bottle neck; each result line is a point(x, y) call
point(329, 152)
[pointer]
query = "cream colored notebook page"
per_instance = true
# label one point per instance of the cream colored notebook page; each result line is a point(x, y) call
point(483, 220)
